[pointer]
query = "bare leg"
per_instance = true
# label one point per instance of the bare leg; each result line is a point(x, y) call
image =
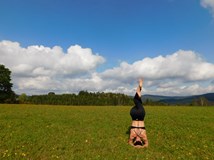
point(139, 87)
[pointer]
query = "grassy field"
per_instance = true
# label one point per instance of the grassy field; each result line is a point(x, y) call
point(96, 132)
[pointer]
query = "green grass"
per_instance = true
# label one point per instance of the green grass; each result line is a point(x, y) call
point(96, 132)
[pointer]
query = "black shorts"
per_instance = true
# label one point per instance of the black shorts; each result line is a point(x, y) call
point(137, 112)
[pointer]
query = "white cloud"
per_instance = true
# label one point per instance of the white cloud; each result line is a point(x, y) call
point(174, 74)
point(209, 4)
point(185, 65)
point(179, 90)
point(39, 70)
point(40, 60)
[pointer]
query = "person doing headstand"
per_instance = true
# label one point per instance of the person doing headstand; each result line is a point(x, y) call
point(138, 137)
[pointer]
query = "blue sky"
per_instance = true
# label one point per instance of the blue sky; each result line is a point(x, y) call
point(123, 31)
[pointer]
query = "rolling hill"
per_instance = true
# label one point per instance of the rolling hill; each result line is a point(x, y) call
point(181, 100)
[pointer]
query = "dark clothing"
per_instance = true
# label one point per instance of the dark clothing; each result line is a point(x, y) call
point(137, 112)
point(132, 127)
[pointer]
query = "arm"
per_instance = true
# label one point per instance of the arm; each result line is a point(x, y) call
point(145, 140)
point(131, 137)
point(131, 142)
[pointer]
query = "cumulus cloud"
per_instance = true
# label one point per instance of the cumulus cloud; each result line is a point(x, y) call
point(39, 70)
point(175, 74)
point(209, 4)
point(181, 90)
point(183, 65)
point(36, 61)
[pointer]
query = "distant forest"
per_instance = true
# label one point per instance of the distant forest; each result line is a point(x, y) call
point(109, 99)
point(83, 98)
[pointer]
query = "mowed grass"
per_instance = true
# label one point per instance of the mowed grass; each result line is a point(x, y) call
point(99, 132)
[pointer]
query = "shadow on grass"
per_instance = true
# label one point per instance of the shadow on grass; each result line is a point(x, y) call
point(128, 131)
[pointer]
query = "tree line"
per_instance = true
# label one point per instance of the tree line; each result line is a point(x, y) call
point(99, 99)
point(82, 98)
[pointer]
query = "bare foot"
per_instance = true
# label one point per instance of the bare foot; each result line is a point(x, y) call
point(140, 82)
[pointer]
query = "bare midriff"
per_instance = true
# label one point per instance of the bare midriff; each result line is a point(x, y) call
point(138, 123)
